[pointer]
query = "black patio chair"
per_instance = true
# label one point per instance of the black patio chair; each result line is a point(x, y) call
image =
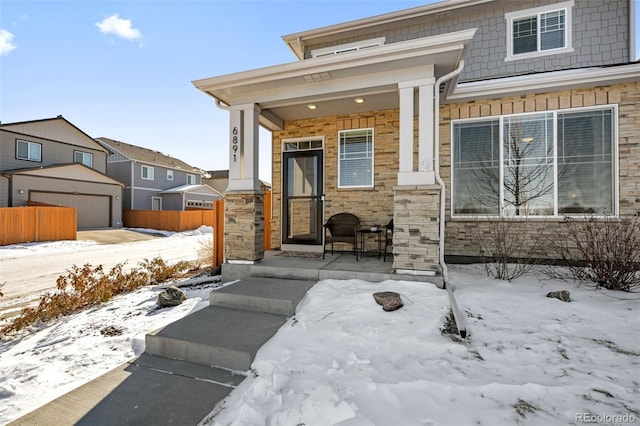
point(388, 238)
point(341, 228)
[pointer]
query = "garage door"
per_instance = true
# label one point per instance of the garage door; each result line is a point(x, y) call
point(93, 210)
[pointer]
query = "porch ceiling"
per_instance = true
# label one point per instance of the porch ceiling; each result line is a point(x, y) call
point(331, 83)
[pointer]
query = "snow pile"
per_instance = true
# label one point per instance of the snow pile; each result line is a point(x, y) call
point(529, 360)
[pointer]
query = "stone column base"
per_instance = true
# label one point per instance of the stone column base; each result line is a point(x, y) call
point(416, 222)
point(243, 226)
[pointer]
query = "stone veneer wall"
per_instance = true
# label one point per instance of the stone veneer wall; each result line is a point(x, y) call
point(371, 205)
point(244, 225)
point(416, 227)
point(462, 234)
point(376, 205)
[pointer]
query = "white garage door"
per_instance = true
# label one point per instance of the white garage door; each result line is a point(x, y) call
point(93, 210)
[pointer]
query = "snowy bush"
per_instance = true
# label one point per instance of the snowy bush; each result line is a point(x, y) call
point(604, 251)
point(205, 251)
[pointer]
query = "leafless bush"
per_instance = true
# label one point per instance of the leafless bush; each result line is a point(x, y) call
point(82, 287)
point(205, 251)
point(508, 248)
point(604, 251)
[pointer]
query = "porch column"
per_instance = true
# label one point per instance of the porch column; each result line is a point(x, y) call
point(244, 200)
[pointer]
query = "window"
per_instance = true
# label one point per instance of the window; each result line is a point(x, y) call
point(191, 179)
point(85, 158)
point(147, 173)
point(355, 158)
point(554, 163)
point(540, 31)
point(169, 174)
point(30, 151)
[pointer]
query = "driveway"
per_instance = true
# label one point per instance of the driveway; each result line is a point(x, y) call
point(30, 270)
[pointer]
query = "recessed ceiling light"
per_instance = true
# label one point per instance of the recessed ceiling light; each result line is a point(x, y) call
point(359, 100)
point(312, 106)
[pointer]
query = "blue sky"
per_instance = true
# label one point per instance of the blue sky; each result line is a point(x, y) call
point(123, 69)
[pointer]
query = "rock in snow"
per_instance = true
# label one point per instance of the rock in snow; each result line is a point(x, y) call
point(562, 295)
point(171, 296)
point(390, 300)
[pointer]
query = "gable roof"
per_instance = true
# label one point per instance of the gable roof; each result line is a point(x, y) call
point(69, 171)
point(147, 156)
point(192, 189)
point(56, 129)
point(297, 41)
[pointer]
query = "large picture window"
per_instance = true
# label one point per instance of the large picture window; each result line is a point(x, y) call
point(554, 163)
point(355, 158)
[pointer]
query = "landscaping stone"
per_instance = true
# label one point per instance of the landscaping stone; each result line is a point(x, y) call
point(390, 300)
point(171, 296)
point(561, 295)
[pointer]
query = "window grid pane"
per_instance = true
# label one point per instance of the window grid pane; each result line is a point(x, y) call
point(355, 158)
point(552, 30)
point(525, 35)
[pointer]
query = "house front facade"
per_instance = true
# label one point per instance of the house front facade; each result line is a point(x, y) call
point(51, 161)
point(156, 181)
point(444, 118)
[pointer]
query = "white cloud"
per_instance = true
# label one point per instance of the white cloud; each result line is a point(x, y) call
point(6, 44)
point(119, 27)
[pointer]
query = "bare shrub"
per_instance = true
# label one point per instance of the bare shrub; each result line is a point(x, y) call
point(508, 248)
point(603, 251)
point(82, 287)
point(205, 251)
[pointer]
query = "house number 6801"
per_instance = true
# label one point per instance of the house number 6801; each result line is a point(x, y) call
point(234, 143)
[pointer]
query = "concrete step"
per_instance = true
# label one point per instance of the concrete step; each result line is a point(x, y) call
point(270, 295)
point(215, 336)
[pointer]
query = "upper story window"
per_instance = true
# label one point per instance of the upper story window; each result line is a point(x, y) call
point(348, 47)
point(147, 173)
point(191, 179)
point(538, 32)
point(30, 151)
point(85, 158)
point(169, 174)
point(355, 158)
point(554, 163)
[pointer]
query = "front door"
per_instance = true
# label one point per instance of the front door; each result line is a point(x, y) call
point(302, 197)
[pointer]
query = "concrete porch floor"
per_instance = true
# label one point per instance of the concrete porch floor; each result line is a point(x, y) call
point(311, 266)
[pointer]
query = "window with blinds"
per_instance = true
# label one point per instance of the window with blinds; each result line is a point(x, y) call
point(355, 158)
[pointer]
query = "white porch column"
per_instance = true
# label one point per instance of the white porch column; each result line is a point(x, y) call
point(243, 148)
point(408, 173)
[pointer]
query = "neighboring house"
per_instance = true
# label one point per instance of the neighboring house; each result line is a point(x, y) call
point(51, 161)
point(219, 180)
point(155, 181)
point(462, 111)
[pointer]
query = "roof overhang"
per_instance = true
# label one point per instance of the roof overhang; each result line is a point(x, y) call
point(545, 82)
point(331, 83)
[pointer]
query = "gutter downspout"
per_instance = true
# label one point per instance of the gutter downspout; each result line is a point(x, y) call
point(436, 157)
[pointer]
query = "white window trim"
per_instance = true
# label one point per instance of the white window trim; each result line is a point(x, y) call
point(298, 140)
point(169, 174)
point(568, 33)
point(84, 154)
point(29, 145)
point(159, 202)
point(348, 47)
point(142, 173)
point(555, 216)
point(195, 180)
point(373, 162)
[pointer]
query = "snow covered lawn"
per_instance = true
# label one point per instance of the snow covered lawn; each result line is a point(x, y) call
point(529, 359)
point(342, 360)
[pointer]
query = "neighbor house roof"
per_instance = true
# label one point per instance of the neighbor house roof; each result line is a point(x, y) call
point(148, 156)
point(68, 171)
point(192, 189)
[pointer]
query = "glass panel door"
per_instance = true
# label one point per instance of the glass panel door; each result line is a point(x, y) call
point(302, 197)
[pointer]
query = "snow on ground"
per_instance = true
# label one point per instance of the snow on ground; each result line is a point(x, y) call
point(342, 360)
point(529, 360)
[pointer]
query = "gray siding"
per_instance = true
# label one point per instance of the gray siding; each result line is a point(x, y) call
point(4, 192)
point(120, 171)
point(52, 153)
point(600, 36)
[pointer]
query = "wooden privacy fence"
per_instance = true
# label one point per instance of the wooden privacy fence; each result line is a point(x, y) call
point(37, 223)
point(178, 221)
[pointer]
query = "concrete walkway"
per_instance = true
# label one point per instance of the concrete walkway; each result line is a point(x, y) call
point(188, 366)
